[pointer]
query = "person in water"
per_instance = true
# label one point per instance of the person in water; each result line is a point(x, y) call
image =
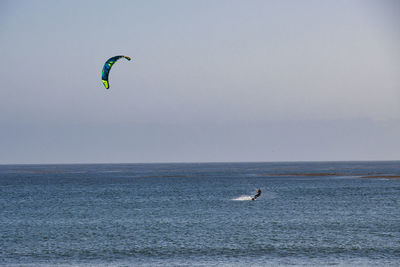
point(257, 195)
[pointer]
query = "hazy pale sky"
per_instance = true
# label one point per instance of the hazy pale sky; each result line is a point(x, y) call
point(209, 81)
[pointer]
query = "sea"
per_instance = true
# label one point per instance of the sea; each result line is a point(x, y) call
point(201, 214)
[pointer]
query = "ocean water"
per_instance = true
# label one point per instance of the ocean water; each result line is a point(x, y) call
point(200, 214)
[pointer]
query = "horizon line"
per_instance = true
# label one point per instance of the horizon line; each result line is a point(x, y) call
point(198, 162)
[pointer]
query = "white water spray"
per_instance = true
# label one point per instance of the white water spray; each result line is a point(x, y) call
point(242, 198)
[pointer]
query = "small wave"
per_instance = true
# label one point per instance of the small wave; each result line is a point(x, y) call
point(242, 198)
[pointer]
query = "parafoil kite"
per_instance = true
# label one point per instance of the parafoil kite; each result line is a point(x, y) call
point(107, 68)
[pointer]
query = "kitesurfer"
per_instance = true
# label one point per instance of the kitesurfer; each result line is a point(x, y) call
point(257, 195)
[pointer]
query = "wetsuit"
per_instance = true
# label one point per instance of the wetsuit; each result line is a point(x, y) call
point(257, 195)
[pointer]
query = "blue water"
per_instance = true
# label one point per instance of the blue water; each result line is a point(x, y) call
point(316, 213)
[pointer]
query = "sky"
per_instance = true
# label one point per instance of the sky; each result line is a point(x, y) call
point(209, 81)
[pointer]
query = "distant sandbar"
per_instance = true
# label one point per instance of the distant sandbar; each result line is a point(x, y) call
point(376, 176)
point(383, 176)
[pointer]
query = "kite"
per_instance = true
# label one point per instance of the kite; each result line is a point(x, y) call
point(107, 67)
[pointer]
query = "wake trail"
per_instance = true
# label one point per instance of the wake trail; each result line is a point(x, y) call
point(242, 198)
